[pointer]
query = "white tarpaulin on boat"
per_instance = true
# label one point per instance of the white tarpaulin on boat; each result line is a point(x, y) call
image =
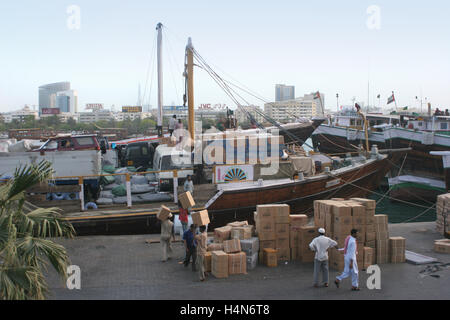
point(304, 164)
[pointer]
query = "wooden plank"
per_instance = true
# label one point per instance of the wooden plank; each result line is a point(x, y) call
point(55, 189)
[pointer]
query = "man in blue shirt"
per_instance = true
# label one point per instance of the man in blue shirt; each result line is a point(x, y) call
point(190, 246)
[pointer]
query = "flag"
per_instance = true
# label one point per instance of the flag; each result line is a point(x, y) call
point(357, 106)
point(391, 98)
point(378, 96)
point(317, 95)
point(405, 108)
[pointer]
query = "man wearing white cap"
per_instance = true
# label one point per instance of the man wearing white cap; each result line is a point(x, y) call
point(166, 234)
point(320, 245)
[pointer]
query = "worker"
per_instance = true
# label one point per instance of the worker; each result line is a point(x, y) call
point(189, 185)
point(350, 263)
point(201, 251)
point(190, 246)
point(320, 245)
point(166, 235)
point(184, 219)
point(172, 123)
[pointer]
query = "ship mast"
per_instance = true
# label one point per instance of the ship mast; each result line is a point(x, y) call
point(190, 85)
point(160, 81)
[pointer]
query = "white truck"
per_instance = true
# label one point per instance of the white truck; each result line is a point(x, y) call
point(169, 158)
point(70, 157)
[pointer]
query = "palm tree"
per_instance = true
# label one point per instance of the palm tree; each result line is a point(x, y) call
point(25, 250)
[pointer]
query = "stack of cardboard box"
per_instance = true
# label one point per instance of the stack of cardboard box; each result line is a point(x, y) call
point(397, 247)
point(219, 264)
point(273, 229)
point(381, 238)
point(442, 216)
point(307, 234)
point(251, 249)
point(296, 221)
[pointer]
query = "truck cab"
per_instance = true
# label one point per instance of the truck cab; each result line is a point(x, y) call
point(138, 154)
point(169, 158)
point(70, 143)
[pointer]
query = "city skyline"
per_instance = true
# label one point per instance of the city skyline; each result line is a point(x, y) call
point(326, 47)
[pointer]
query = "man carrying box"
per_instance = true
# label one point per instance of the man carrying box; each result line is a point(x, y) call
point(201, 251)
point(191, 247)
point(166, 234)
point(320, 245)
point(351, 266)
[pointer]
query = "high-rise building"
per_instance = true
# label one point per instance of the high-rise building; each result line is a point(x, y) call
point(67, 101)
point(283, 92)
point(47, 94)
point(310, 105)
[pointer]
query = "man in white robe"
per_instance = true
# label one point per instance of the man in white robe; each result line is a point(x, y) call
point(351, 266)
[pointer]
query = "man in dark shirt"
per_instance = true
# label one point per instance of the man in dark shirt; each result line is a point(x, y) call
point(190, 245)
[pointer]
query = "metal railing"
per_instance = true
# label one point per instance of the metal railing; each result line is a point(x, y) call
point(127, 183)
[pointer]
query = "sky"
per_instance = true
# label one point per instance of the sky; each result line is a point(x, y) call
point(342, 47)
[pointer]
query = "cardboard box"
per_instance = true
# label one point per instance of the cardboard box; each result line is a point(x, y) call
point(307, 255)
point(336, 260)
point(282, 230)
point(221, 234)
point(442, 246)
point(370, 244)
point(232, 246)
point(237, 263)
point(370, 236)
point(361, 236)
point(163, 213)
point(282, 243)
point(381, 219)
point(215, 247)
point(200, 218)
point(321, 207)
point(250, 246)
point(264, 244)
point(241, 233)
point(294, 237)
point(370, 219)
point(237, 224)
point(308, 233)
point(270, 257)
point(340, 239)
point(284, 254)
point(265, 212)
point(397, 242)
point(295, 256)
point(368, 203)
point(282, 212)
point(186, 199)
point(265, 226)
point(252, 261)
point(381, 236)
point(298, 220)
point(219, 264)
point(382, 251)
point(368, 257)
point(370, 228)
point(207, 261)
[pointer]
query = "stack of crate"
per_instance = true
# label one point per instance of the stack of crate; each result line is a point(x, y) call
point(273, 229)
point(397, 247)
point(381, 238)
point(442, 210)
point(296, 221)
